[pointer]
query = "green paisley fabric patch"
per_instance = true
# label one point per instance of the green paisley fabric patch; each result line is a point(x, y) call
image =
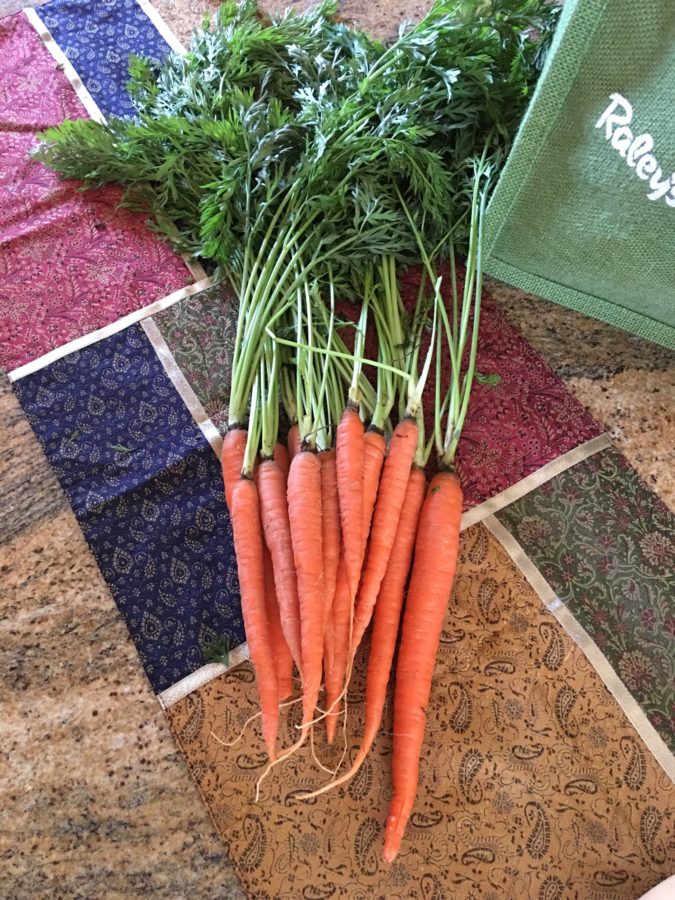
point(606, 545)
point(200, 332)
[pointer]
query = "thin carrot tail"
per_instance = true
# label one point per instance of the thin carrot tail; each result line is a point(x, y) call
point(399, 813)
point(283, 659)
point(232, 460)
point(248, 544)
point(333, 715)
point(304, 513)
point(345, 777)
point(329, 669)
point(373, 457)
point(349, 463)
point(340, 624)
point(389, 605)
point(329, 643)
point(328, 665)
point(332, 541)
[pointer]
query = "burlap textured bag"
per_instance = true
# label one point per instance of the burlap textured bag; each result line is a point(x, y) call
point(584, 212)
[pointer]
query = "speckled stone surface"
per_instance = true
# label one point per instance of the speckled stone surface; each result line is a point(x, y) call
point(25, 477)
point(638, 409)
point(575, 345)
point(380, 17)
point(95, 799)
point(7, 7)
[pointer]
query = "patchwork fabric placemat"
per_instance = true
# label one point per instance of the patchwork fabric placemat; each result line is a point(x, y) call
point(548, 763)
point(70, 263)
point(532, 782)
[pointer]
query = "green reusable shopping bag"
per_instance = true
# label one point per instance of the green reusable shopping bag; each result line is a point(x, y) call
point(584, 211)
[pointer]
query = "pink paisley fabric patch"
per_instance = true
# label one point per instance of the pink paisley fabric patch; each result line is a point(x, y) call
point(70, 262)
point(520, 424)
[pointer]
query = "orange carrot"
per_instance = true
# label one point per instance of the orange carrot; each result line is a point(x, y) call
point(349, 462)
point(330, 529)
point(387, 620)
point(304, 514)
point(337, 650)
point(373, 446)
point(293, 441)
point(395, 477)
point(232, 460)
point(433, 574)
point(388, 608)
point(329, 496)
point(283, 661)
point(329, 643)
point(276, 526)
point(282, 458)
point(248, 545)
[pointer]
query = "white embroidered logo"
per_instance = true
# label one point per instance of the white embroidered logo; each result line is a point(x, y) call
point(636, 149)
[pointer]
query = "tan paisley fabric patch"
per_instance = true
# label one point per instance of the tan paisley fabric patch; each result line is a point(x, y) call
point(533, 783)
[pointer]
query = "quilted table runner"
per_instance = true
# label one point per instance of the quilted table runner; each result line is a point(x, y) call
point(548, 763)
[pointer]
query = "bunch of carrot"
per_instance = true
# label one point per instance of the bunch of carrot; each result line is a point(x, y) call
point(307, 162)
point(327, 536)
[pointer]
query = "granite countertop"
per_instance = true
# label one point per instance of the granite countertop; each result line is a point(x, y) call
point(96, 799)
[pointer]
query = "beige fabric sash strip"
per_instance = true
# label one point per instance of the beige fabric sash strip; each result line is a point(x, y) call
point(202, 676)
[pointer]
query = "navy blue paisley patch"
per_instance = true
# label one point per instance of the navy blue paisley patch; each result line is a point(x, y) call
point(147, 490)
point(98, 38)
